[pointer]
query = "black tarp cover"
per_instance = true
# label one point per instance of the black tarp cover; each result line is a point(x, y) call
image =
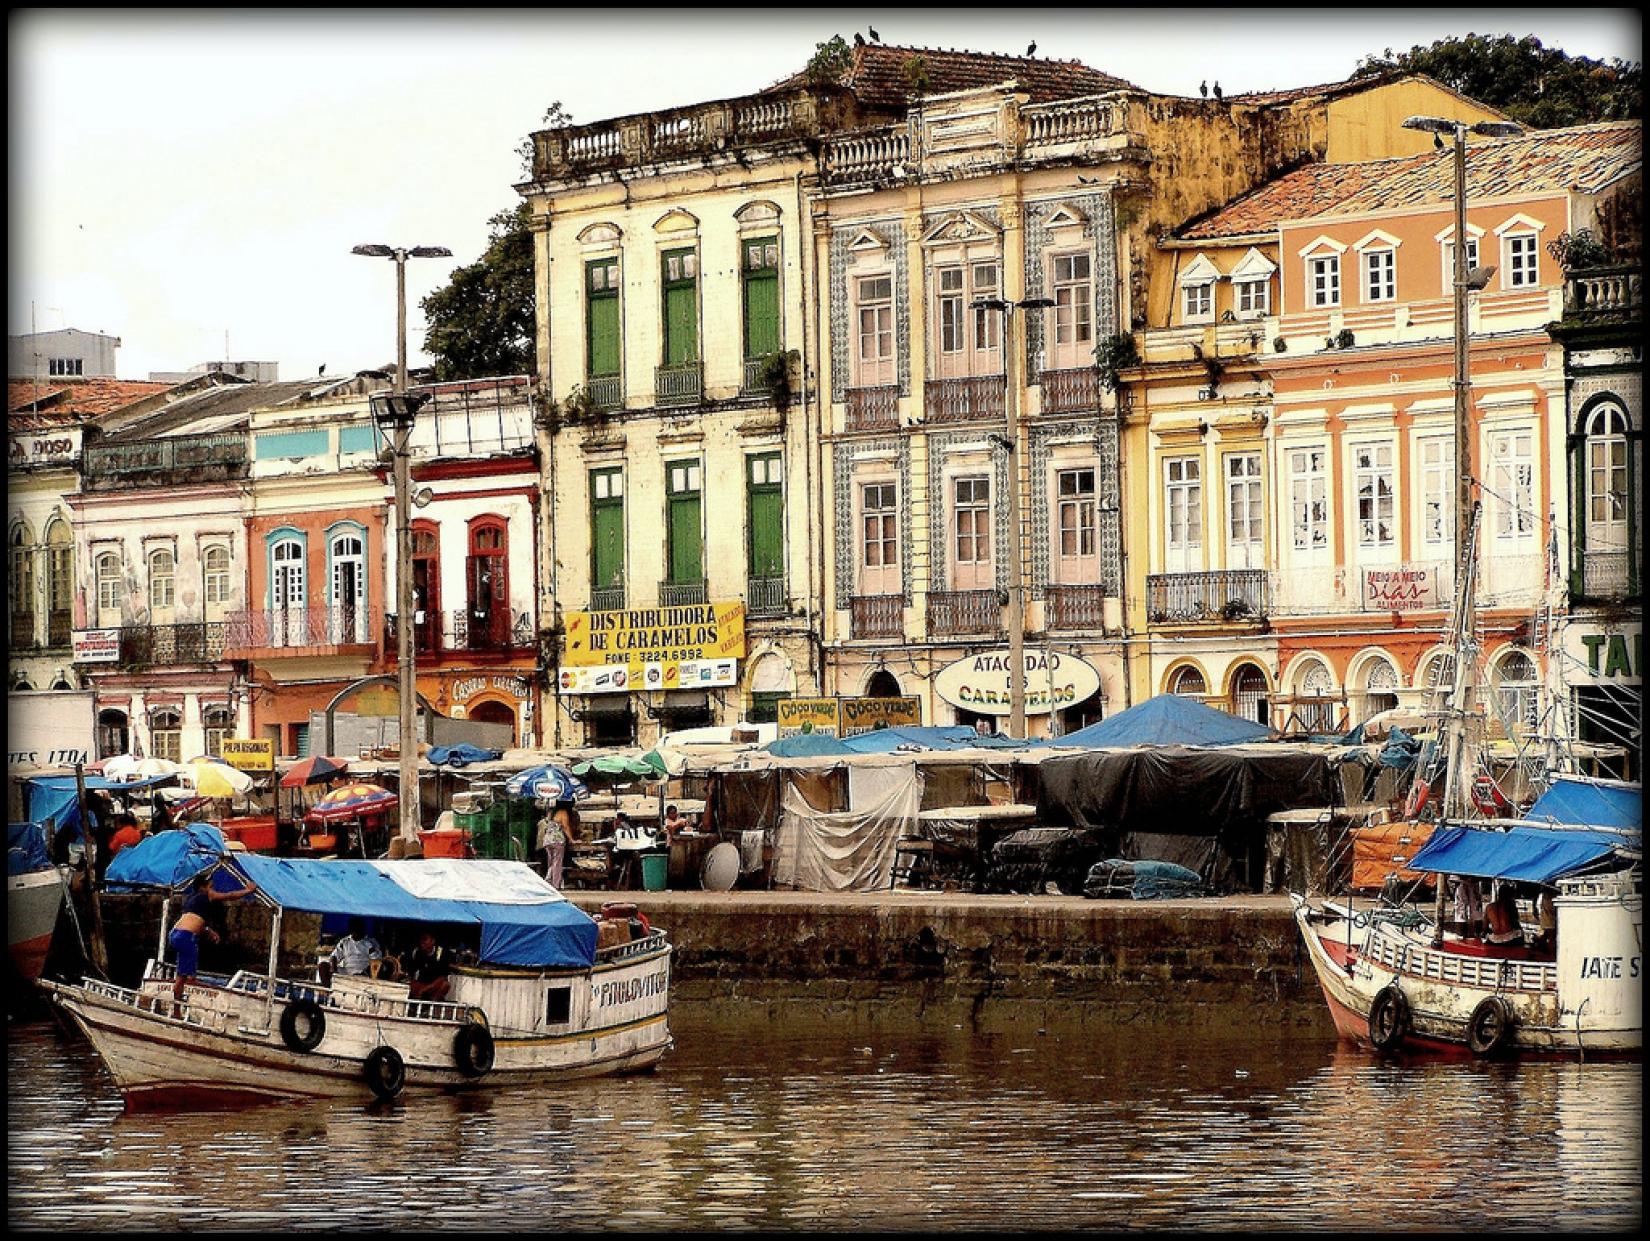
point(1204, 809)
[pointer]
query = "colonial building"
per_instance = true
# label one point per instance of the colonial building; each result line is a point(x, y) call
point(1322, 426)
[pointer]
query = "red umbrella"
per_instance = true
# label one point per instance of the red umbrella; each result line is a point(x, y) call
point(317, 769)
point(352, 800)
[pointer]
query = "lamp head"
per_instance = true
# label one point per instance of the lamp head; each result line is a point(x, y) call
point(374, 251)
point(395, 411)
point(1036, 303)
point(430, 252)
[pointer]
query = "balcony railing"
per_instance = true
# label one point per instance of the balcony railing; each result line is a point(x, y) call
point(1072, 120)
point(1606, 575)
point(765, 596)
point(22, 632)
point(866, 155)
point(151, 645)
point(299, 628)
point(679, 383)
point(607, 598)
point(1075, 607)
point(681, 594)
point(1603, 293)
point(755, 381)
point(963, 611)
point(977, 398)
point(181, 459)
point(877, 616)
point(1071, 391)
point(606, 391)
point(462, 630)
point(873, 409)
point(1232, 595)
point(59, 629)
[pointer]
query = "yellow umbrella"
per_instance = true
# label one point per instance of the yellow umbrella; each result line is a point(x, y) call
point(215, 778)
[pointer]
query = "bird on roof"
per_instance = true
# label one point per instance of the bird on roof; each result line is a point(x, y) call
point(872, 31)
point(1032, 50)
point(1217, 92)
point(1437, 143)
point(322, 371)
point(859, 39)
point(1203, 87)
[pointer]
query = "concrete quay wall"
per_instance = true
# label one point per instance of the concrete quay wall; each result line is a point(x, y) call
point(986, 961)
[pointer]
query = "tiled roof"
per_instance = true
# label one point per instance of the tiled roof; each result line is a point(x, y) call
point(64, 402)
point(876, 74)
point(1584, 159)
point(226, 407)
point(1324, 90)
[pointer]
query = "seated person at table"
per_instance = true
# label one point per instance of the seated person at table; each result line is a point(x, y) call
point(1501, 917)
point(357, 952)
point(624, 829)
point(674, 823)
point(427, 969)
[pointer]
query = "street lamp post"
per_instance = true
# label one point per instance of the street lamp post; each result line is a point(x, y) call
point(395, 412)
point(1016, 623)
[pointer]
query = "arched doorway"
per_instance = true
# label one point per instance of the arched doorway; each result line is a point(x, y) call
point(1380, 687)
point(493, 712)
point(1188, 682)
point(883, 684)
point(114, 734)
point(1250, 700)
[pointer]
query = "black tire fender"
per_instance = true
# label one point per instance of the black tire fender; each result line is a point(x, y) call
point(473, 1050)
point(309, 1012)
point(385, 1071)
point(1389, 1018)
point(1489, 1029)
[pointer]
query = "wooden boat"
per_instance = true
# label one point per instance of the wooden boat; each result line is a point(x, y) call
point(542, 1003)
point(34, 897)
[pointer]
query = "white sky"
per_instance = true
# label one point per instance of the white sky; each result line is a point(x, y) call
point(177, 175)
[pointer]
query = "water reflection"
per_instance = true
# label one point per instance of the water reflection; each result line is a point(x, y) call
point(767, 1127)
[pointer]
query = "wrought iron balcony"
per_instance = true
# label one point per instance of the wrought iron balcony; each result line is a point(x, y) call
point(1606, 575)
point(606, 391)
point(463, 631)
point(765, 596)
point(1075, 607)
point(22, 632)
point(680, 383)
point(873, 409)
point(144, 646)
point(1233, 596)
point(300, 629)
point(977, 398)
point(159, 462)
point(681, 594)
point(1072, 391)
point(877, 616)
point(607, 598)
point(955, 612)
point(755, 381)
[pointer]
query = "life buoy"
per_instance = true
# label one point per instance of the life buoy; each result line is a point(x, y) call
point(647, 927)
point(1389, 1021)
point(385, 1071)
point(1419, 795)
point(473, 1050)
point(1490, 1026)
point(313, 1020)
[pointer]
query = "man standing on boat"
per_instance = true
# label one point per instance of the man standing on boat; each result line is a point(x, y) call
point(357, 952)
point(185, 936)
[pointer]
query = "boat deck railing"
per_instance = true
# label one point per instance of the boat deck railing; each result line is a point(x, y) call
point(635, 948)
point(245, 982)
point(1454, 969)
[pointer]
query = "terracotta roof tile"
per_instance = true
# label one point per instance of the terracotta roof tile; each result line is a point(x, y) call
point(1583, 159)
point(64, 402)
point(876, 74)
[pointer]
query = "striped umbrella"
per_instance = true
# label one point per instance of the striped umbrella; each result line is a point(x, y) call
point(317, 769)
point(547, 781)
point(350, 800)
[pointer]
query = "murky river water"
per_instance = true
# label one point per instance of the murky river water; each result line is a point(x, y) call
point(765, 1127)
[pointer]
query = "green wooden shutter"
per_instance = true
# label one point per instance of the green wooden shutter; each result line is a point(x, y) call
point(766, 516)
point(686, 539)
point(606, 529)
point(681, 307)
point(602, 317)
point(761, 278)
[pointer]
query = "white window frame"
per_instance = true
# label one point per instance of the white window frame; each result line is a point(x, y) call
point(1380, 272)
point(980, 563)
point(885, 538)
point(1245, 510)
point(1308, 496)
point(1447, 248)
point(1323, 281)
point(1375, 470)
point(1246, 302)
point(1197, 302)
point(1182, 513)
point(108, 583)
point(162, 579)
point(1073, 295)
point(215, 581)
point(1077, 517)
point(1435, 455)
point(876, 368)
point(1512, 483)
point(1606, 478)
point(1525, 274)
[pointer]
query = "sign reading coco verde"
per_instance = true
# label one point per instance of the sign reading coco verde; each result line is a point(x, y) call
point(980, 683)
point(654, 648)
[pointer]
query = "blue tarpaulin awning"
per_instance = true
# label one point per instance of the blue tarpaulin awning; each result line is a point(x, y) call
point(53, 797)
point(1522, 854)
point(1167, 719)
point(1598, 803)
point(807, 745)
point(929, 737)
point(550, 932)
point(26, 849)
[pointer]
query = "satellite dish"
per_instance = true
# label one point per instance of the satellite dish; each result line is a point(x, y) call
point(423, 496)
point(721, 868)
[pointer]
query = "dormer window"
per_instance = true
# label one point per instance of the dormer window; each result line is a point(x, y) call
point(1323, 280)
point(1380, 275)
point(1252, 285)
point(1197, 291)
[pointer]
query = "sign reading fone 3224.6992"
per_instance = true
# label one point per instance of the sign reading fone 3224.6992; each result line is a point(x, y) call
point(636, 649)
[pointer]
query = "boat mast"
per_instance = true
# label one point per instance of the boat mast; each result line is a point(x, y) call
point(1462, 653)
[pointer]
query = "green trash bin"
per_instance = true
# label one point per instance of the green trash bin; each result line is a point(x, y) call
point(654, 869)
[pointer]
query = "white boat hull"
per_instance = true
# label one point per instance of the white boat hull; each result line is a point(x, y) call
point(33, 901)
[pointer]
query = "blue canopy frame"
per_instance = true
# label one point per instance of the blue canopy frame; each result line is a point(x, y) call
point(1523, 854)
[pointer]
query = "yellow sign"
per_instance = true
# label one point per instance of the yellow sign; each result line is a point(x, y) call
point(656, 645)
point(247, 754)
point(863, 715)
point(807, 715)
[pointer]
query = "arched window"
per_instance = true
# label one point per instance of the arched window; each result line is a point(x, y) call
point(287, 594)
point(493, 712)
point(106, 570)
point(883, 684)
point(1437, 679)
point(347, 559)
point(1607, 513)
point(1517, 686)
point(59, 583)
point(215, 573)
point(1380, 687)
point(161, 574)
point(219, 722)
point(21, 586)
point(426, 586)
point(1313, 707)
point(166, 734)
point(1249, 696)
point(113, 733)
point(488, 581)
point(1188, 682)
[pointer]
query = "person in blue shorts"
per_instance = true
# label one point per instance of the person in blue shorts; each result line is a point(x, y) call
point(186, 932)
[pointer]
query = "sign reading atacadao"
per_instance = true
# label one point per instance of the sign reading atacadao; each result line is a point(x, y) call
point(633, 637)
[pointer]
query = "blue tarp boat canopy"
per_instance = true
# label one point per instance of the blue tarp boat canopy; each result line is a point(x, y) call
point(1522, 854)
point(1597, 803)
point(1167, 719)
point(530, 924)
point(26, 849)
point(53, 797)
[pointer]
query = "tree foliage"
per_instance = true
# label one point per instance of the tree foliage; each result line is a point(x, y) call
point(1540, 87)
point(483, 322)
point(555, 117)
point(830, 62)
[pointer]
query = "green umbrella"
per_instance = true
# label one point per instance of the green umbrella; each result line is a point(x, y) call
point(618, 765)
